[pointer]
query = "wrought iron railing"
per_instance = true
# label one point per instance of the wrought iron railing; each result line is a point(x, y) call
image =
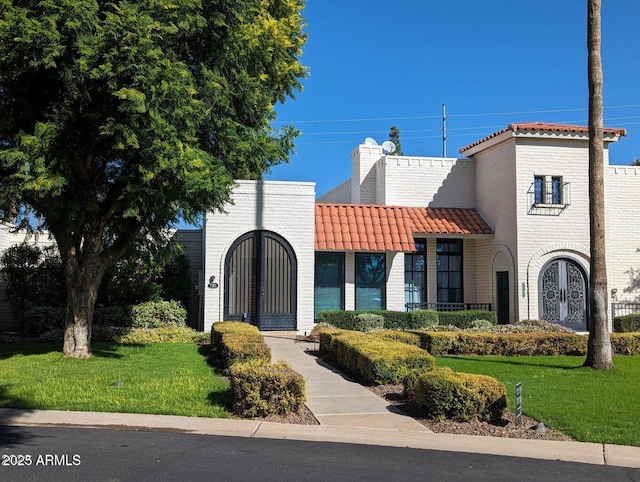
point(448, 306)
point(620, 309)
point(551, 201)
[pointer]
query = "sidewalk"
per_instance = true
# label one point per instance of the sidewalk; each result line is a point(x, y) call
point(347, 412)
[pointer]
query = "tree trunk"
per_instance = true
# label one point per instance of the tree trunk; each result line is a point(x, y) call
point(82, 292)
point(599, 346)
point(84, 269)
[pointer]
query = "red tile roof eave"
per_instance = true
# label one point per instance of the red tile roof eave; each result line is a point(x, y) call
point(544, 127)
point(391, 228)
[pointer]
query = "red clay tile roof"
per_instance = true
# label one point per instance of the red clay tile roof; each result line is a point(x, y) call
point(544, 127)
point(366, 227)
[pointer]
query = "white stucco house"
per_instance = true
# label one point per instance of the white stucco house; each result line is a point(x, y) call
point(505, 227)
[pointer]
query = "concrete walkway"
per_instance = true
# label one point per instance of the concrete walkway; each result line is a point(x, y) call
point(347, 412)
point(333, 398)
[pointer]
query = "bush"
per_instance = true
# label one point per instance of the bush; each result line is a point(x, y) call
point(41, 319)
point(368, 322)
point(508, 344)
point(394, 320)
point(154, 314)
point(481, 325)
point(423, 319)
point(338, 318)
point(261, 389)
point(134, 336)
point(233, 342)
point(463, 319)
point(626, 323)
point(111, 316)
point(371, 359)
point(625, 343)
point(442, 393)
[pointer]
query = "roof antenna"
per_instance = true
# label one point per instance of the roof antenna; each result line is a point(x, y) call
point(444, 130)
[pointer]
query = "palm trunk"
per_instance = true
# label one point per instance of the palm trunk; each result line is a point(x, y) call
point(599, 345)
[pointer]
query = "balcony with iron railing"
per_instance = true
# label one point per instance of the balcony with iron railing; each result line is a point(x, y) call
point(548, 198)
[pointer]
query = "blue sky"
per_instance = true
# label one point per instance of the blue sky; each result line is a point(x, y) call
point(374, 64)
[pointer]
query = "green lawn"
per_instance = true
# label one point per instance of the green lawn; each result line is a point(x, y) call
point(171, 379)
point(589, 405)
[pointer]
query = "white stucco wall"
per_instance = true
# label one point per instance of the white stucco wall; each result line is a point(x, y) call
point(426, 181)
point(496, 201)
point(622, 205)
point(286, 208)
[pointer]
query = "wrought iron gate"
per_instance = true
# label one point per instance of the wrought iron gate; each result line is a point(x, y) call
point(563, 295)
point(260, 281)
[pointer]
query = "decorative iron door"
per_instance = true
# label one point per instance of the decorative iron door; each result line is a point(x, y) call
point(260, 281)
point(563, 296)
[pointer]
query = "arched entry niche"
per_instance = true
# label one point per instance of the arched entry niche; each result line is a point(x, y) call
point(563, 294)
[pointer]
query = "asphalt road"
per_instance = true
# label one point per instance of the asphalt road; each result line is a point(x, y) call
point(70, 454)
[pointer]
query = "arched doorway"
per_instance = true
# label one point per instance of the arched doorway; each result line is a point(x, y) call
point(563, 294)
point(260, 281)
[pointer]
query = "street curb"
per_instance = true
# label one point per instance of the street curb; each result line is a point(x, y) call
point(581, 452)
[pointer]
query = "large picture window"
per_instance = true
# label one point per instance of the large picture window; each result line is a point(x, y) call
point(371, 280)
point(329, 282)
point(414, 274)
point(449, 269)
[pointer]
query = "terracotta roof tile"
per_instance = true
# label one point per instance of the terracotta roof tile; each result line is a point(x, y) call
point(544, 127)
point(363, 227)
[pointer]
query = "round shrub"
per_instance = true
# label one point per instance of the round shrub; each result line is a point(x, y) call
point(261, 389)
point(154, 314)
point(444, 394)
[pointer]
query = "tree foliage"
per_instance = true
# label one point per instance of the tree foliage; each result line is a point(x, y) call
point(118, 118)
point(394, 136)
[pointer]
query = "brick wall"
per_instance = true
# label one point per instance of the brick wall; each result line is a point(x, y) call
point(286, 208)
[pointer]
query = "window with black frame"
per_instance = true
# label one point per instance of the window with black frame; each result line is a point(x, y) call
point(449, 270)
point(415, 274)
point(328, 282)
point(371, 280)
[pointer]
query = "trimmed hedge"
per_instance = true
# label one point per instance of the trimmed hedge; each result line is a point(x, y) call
point(262, 389)
point(463, 319)
point(442, 393)
point(234, 341)
point(135, 336)
point(626, 323)
point(372, 359)
point(408, 320)
point(625, 343)
point(505, 344)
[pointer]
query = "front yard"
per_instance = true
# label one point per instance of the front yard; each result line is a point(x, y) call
point(175, 379)
point(588, 405)
point(170, 379)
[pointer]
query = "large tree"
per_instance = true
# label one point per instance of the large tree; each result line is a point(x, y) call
point(118, 118)
point(599, 346)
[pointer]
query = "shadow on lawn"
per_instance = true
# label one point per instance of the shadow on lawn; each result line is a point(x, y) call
point(11, 349)
point(521, 361)
point(217, 397)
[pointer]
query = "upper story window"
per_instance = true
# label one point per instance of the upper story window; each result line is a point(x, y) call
point(548, 195)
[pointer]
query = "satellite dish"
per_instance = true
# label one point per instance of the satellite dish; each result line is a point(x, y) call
point(388, 146)
point(370, 141)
